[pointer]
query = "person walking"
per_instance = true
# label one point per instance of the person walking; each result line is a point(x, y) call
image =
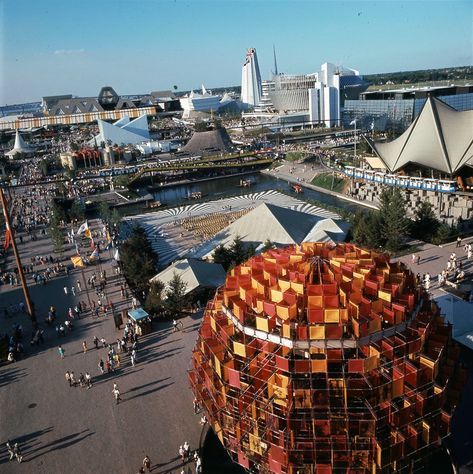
point(84, 346)
point(68, 378)
point(147, 463)
point(133, 357)
point(73, 291)
point(65, 291)
point(61, 351)
point(96, 342)
point(73, 379)
point(17, 452)
point(10, 449)
point(101, 366)
point(116, 394)
point(88, 380)
point(79, 287)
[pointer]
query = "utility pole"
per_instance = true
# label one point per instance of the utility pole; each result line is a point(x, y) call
point(26, 294)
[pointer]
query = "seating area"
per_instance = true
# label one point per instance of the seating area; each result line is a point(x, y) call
point(206, 226)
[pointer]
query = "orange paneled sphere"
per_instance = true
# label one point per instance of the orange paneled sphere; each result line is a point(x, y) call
point(320, 358)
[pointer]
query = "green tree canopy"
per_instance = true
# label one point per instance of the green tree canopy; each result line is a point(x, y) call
point(394, 223)
point(138, 261)
point(154, 300)
point(176, 299)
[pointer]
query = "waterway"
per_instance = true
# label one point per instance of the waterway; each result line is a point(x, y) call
point(226, 187)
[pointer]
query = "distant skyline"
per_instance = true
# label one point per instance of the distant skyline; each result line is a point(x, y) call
point(51, 47)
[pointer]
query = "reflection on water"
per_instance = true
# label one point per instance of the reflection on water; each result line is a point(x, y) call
point(226, 187)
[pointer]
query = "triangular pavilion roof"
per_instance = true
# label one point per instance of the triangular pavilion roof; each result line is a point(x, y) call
point(440, 138)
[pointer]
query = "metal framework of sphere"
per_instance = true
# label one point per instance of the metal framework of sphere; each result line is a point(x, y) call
point(325, 359)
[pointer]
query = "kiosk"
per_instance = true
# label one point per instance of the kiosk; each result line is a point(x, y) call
point(141, 321)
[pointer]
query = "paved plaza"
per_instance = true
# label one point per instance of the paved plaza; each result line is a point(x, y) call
point(76, 430)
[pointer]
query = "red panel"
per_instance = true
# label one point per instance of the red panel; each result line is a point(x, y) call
point(277, 454)
point(234, 378)
point(302, 366)
point(302, 333)
point(274, 466)
point(355, 365)
point(282, 363)
point(290, 297)
point(269, 308)
point(315, 315)
point(333, 331)
point(243, 460)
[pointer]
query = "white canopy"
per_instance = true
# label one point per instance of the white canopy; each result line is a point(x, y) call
point(440, 138)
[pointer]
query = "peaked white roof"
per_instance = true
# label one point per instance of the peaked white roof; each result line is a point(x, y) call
point(20, 146)
point(440, 138)
point(123, 131)
point(280, 225)
point(194, 273)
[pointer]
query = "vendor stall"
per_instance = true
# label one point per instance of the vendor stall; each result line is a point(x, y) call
point(141, 321)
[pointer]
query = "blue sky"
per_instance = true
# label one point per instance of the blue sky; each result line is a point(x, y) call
point(77, 46)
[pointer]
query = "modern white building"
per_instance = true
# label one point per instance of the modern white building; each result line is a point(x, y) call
point(122, 131)
point(195, 102)
point(318, 93)
point(251, 80)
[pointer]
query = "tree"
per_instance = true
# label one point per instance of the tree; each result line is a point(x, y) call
point(154, 300)
point(104, 212)
point(138, 260)
point(76, 212)
point(268, 245)
point(366, 229)
point(176, 299)
point(394, 223)
point(223, 256)
point(200, 126)
point(426, 224)
point(237, 253)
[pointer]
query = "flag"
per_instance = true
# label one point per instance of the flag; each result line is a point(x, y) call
point(87, 233)
point(77, 261)
point(94, 254)
point(84, 227)
point(372, 125)
point(7, 239)
point(117, 256)
point(353, 122)
point(92, 244)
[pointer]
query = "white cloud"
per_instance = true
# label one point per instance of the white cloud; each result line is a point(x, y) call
point(68, 52)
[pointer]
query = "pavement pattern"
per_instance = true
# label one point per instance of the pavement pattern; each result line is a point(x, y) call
point(71, 429)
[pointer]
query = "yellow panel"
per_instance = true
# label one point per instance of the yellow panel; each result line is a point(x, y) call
point(358, 275)
point(282, 312)
point(262, 324)
point(218, 368)
point(315, 301)
point(259, 306)
point(239, 349)
point(318, 366)
point(213, 324)
point(346, 279)
point(295, 258)
point(332, 316)
point(276, 296)
point(284, 284)
point(317, 332)
point(255, 444)
point(242, 294)
point(297, 287)
point(335, 263)
point(244, 270)
point(286, 330)
point(384, 295)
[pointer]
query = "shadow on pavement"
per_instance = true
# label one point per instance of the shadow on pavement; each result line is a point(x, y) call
point(11, 375)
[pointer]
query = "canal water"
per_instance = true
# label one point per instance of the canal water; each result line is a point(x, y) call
point(226, 187)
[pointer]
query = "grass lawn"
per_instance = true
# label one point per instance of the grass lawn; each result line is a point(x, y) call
point(324, 180)
point(295, 155)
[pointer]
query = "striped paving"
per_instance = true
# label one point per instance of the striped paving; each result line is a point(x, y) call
point(158, 224)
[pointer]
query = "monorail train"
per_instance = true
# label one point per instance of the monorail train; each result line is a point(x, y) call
point(408, 182)
point(118, 171)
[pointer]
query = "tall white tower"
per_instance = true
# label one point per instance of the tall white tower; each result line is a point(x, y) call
point(251, 80)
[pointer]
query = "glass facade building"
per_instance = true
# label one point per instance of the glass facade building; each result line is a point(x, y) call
point(395, 114)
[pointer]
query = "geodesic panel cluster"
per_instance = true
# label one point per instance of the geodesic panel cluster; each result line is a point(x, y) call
point(320, 359)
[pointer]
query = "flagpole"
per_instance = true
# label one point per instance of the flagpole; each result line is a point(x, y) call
point(86, 288)
point(24, 286)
